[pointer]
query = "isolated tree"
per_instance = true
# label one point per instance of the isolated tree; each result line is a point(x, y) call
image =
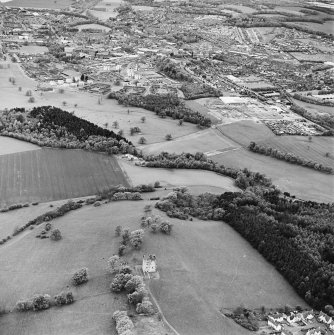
point(64, 103)
point(80, 277)
point(136, 238)
point(310, 138)
point(166, 227)
point(115, 125)
point(118, 230)
point(154, 227)
point(157, 184)
point(61, 91)
point(55, 235)
point(145, 307)
point(142, 140)
point(121, 249)
point(125, 236)
point(29, 93)
point(121, 133)
point(106, 125)
point(114, 263)
point(31, 100)
point(168, 137)
point(143, 119)
point(180, 122)
point(20, 89)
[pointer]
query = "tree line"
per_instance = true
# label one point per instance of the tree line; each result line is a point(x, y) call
point(288, 157)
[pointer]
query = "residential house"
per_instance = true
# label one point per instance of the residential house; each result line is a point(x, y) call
point(314, 332)
point(324, 318)
point(308, 315)
point(277, 317)
point(331, 326)
point(273, 324)
point(149, 264)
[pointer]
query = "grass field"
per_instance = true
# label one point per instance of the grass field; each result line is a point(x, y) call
point(300, 145)
point(203, 141)
point(52, 4)
point(200, 108)
point(11, 145)
point(303, 182)
point(314, 109)
point(177, 177)
point(243, 132)
point(326, 27)
point(51, 174)
point(190, 298)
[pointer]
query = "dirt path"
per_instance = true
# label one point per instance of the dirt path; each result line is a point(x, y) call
point(160, 310)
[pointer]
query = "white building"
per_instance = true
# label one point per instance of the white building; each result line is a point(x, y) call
point(149, 264)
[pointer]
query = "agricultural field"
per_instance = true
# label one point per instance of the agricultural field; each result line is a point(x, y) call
point(92, 26)
point(203, 141)
point(177, 177)
point(51, 174)
point(51, 4)
point(189, 298)
point(300, 181)
point(314, 150)
point(201, 108)
point(10, 145)
point(243, 132)
point(108, 7)
point(326, 27)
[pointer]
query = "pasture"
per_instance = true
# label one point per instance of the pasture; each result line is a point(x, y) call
point(177, 177)
point(243, 132)
point(50, 4)
point(190, 298)
point(202, 141)
point(326, 27)
point(52, 174)
point(300, 181)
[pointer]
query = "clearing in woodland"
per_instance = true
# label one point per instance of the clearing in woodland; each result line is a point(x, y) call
point(190, 298)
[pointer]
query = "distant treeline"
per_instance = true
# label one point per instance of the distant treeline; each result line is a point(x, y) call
point(163, 105)
point(313, 100)
point(324, 120)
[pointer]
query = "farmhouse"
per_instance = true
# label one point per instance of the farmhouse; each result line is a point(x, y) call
point(149, 264)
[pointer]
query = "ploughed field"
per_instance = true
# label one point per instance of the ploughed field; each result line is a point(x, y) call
point(203, 266)
point(52, 174)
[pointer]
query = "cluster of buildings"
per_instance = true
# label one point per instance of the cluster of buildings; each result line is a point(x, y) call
point(306, 323)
